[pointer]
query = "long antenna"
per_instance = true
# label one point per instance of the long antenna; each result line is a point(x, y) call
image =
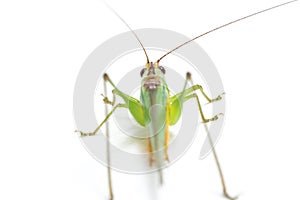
point(219, 27)
point(135, 35)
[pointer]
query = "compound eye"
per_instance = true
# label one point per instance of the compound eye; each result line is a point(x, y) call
point(142, 72)
point(162, 69)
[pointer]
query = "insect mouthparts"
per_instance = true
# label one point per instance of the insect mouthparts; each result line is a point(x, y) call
point(151, 83)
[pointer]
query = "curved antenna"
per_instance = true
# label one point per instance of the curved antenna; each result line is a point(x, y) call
point(222, 26)
point(135, 35)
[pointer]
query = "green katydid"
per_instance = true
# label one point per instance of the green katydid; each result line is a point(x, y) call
point(157, 109)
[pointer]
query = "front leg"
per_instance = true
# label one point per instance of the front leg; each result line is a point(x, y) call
point(83, 134)
point(204, 119)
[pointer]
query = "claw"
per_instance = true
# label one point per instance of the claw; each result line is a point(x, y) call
point(218, 98)
point(82, 134)
point(229, 197)
point(167, 159)
point(151, 159)
point(106, 100)
point(221, 114)
point(216, 117)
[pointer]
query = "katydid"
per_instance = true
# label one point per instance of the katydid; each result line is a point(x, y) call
point(157, 109)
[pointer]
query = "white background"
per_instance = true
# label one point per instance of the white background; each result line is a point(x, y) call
point(42, 47)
